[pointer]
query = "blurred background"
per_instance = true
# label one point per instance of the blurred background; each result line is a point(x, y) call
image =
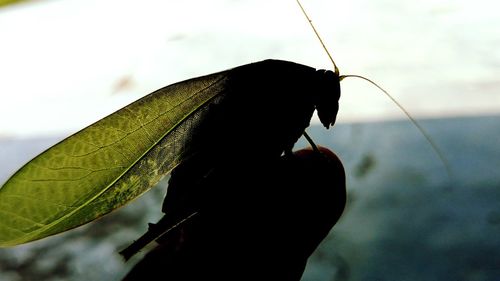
point(67, 63)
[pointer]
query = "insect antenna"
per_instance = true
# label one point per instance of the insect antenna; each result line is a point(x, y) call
point(419, 127)
point(335, 68)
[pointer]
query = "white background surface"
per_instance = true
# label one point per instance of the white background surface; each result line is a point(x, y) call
point(62, 62)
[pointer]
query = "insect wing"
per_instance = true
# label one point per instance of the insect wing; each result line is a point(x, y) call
point(105, 165)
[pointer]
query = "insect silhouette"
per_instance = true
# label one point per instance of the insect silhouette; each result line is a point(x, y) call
point(119, 157)
point(200, 129)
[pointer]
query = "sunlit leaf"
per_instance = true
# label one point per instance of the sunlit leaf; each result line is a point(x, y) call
point(105, 165)
point(8, 2)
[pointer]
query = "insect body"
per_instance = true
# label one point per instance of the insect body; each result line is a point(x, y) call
point(204, 122)
point(249, 122)
point(263, 224)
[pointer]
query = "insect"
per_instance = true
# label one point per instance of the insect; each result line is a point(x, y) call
point(255, 110)
point(121, 156)
point(264, 225)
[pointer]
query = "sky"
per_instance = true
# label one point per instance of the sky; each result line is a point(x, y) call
point(67, 63)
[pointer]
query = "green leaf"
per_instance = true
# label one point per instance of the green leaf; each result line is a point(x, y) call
point(8, 2)
point(105, 165)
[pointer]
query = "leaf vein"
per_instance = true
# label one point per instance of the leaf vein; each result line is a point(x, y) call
point(15, 229)
point(39, 224)
point(141, 125)
point(72, 179)
point(38, 199)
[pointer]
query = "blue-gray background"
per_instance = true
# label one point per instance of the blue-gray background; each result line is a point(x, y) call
point(405, 219)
